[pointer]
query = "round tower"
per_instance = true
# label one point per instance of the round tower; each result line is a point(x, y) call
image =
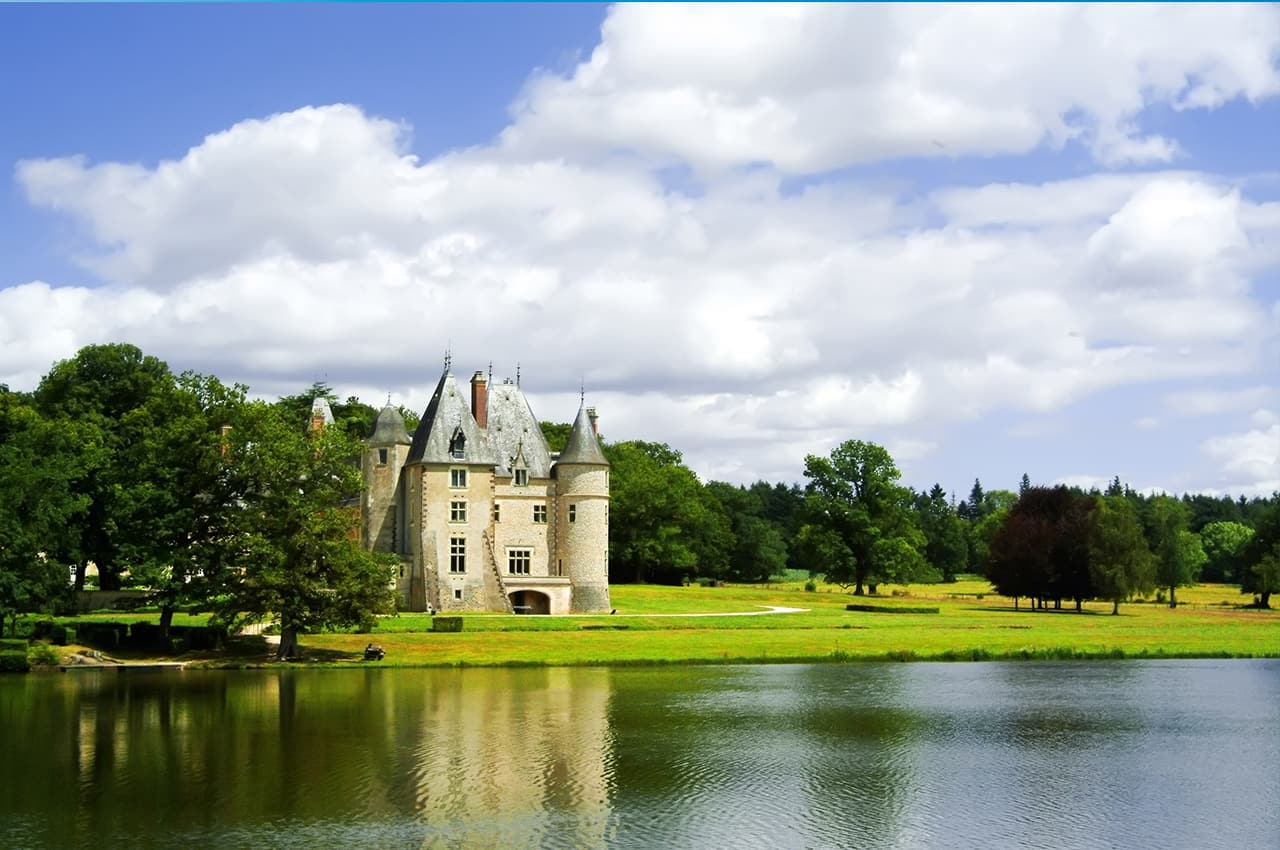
point(582, 516)
point(381, 516)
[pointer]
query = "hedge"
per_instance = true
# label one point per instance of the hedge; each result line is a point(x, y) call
point(13, 661)
point(446, 624)
point(887, 609)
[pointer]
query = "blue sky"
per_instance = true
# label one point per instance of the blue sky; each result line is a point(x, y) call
point(995, 239)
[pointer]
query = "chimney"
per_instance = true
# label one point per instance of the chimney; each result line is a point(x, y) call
point(595, 427)
point(480, 400)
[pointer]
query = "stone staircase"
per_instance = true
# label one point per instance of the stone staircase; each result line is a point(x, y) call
point(498, 586)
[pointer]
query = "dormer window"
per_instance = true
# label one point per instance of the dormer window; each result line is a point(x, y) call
point(522, 478)
point(458, 444)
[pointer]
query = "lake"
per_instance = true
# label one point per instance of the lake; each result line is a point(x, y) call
point(1125, 754)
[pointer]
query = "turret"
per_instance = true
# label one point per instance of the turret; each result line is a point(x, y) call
point(382, 522)
point(582, 515)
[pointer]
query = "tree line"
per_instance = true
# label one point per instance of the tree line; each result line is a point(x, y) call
point(180, 485)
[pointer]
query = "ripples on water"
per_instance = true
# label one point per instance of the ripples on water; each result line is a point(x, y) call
point(1115, 754)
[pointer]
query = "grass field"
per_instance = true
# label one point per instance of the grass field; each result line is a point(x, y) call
point(652, 625)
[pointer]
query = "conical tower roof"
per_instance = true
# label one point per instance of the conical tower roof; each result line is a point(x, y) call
point(389, 429)
point(583, 446)
point(321, 413)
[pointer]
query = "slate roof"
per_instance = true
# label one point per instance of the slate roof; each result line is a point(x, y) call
point(389, 430)
point(583, 446)
point(514, 430)
point(447, 413)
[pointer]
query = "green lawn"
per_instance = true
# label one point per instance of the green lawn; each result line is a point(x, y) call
point(1208, 622)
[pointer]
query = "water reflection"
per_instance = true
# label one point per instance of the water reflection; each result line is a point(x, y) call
point(299, 758)
point(1161, 754)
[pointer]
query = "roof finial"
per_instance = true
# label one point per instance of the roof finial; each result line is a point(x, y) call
point(491, 371)
point(388, 398)
point(517, 374)
point(582, 389)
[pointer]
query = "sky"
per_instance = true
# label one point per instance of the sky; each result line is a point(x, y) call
point(994, 239)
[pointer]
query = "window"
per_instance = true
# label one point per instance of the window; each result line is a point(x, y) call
point(457, 478)
point(522, 477)
point(518, 561)
point(382, 457)
point(457, 593)
point(457, 554)
point(457, 511)
point(497, 512)
point(539, 513)
point(573, 513)
point(458, 444)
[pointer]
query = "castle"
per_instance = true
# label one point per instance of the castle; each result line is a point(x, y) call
point(482, 515)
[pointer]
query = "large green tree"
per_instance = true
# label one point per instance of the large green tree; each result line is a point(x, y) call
point(663, 525)
point(95, 391)
point(178, 506)
point(1178, 553)
point(38, 502)
point(293, 552)
point(759, 551)
point(981, 530)
point(946, 547)
point(1120, 564)
point(859, 526)
point(1224, 544)
point(1261, 573)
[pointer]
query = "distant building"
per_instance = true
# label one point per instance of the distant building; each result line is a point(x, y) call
point(482, 515)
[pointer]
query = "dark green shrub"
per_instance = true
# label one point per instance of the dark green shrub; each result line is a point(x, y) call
point(200, 637)
point(177, 645)
point(810, 586)
point(446, 624)
point(44, 655)
point(103, 635)
point(887, 609)
point(144, 635)
point(12, 645)
point(13, 661)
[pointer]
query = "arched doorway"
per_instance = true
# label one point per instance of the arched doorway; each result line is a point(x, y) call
point(530, 602)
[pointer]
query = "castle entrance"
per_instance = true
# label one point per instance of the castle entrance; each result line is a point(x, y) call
point(530, 602)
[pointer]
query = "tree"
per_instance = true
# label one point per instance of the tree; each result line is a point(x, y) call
point(292, 551)
point(96, 391)
point(946, 546)
point(759, 551)
point(1120, 564)
point(1042, 548)
point(861, 518)
point(353, 416)
point(1024, 484)
point(38, 502)
point(663, 526)
point(1224, 544)
point(1261, 574)
point(1178, 553)
point(177, 510)
point(556, 434)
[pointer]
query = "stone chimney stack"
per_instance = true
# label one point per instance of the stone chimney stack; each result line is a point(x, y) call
point(480, 399)
point(595, 426)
